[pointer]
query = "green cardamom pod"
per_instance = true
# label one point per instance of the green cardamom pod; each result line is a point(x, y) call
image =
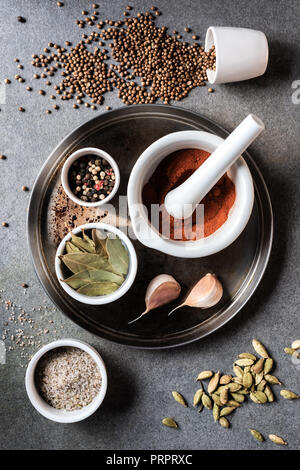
point(259, 348)
point(268, 365)
point(259, 377)
point(247, 356)
point(224, 422)
point(227, 410)
point(170, 423)
point(261, 385)
point(254, 398)
point(225, 379)
point(258, 366)
point(268, 392)
point(238, 371)
point(289, 351)
point(213, 383)
point(206, 401)
point(233, 387)
point(247, 380)
point(233, 403)
point(288, 395)
point(261, 397)
point(224, 396)
point(277, 440)
point(244, 362)
point(216, 399)
point(216, 412)
point(257, 435)
point(179, 398)
point(238, 397)
point(205, 374)
point(197, 397)
point(272, 379)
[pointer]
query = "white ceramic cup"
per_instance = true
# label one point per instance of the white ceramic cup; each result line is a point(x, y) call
point(241, 53)
point(144, 168)
point(100, 299)
point(62, 416)
point(81, 153)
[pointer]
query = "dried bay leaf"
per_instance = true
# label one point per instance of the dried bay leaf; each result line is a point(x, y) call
point(84, 277)
point(71, 248)
point(77, 262)
point(83, 244)
point(117, 255)
point(100, 240)
point(98, 288)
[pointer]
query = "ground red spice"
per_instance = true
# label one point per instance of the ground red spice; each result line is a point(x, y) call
point(172, 172)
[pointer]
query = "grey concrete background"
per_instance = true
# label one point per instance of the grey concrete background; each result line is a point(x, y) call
point(140, 381)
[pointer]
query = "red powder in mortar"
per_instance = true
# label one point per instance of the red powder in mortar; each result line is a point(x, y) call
point(172, 172)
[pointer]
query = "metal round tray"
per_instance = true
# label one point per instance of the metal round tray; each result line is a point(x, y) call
point(125, 133)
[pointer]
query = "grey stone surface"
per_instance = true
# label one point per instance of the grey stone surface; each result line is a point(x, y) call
point(140, 381)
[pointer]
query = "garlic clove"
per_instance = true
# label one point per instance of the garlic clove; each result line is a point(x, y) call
point(160, 291)
point(205, 294)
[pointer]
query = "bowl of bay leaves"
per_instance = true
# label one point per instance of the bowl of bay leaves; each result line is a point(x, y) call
point(96, 263)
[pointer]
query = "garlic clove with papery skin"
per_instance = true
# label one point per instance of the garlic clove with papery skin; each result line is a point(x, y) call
point(205, 294)
point(160, 291)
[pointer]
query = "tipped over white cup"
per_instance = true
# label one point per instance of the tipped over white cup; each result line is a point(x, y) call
point(241, 53)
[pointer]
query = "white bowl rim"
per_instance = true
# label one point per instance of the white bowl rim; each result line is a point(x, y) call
point(81, 153)
point(63, 416)
point(103, 299)
point(227, 233)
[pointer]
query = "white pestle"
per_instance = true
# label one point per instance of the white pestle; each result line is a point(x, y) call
point(182, 201)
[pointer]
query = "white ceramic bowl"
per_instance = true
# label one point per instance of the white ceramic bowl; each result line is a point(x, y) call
point(101, 299)
point(62, 416)
point(143, 170)
point(81, 153)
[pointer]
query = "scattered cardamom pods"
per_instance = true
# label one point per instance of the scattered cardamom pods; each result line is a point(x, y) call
point(224, 396)
point(272, 379)
point(213, 383)
point(244, 362)
point(259, 377)
point(205, 374)
point(197, 397)
point(225, 379)
point(277, 440)
point(238, 397)
point(224, 422)
point(216, 398)
point(227, 410)
point(247, 380)
point(268, 392)
point(259, 348)
point(247, 356)
point(216, 412)
point(206, 401)
point(268, 365)
point(170, 422)
point(258, 366)
point(257, 435)
point(238, 371)
point(288, 395)
point(179, 398)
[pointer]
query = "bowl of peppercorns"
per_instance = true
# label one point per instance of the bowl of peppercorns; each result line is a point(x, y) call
point(90, 177)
